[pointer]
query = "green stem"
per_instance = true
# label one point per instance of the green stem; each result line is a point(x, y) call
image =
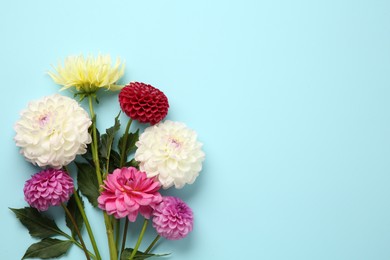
point(87, 225)
point(123, 153)
point(80, 246)
point(107, 222)
point(141, 235)
point(152, 244)
point(117, 231)
point(122, 162)
point(124, 234)
point(85, 218)
point(95, 155)
point(76, 229)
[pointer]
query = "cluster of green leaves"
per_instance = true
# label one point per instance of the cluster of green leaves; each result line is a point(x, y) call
point(43, 227)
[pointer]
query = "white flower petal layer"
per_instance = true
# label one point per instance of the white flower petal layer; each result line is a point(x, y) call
point(170, 151)
point(52, 131)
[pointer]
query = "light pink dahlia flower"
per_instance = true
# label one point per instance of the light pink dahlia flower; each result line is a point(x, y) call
point(128, 192)
point(172, 218)
point(49, 187)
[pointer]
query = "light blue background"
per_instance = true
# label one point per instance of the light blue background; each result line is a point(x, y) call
point(290, 98)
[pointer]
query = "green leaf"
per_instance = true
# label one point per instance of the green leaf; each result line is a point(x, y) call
point(48, 248)
point(80, 95)
point(132, 163)
point(114, 161)
point(87, 182)
point(130, 144)
point(75, 212)
point(106, 142)
point(108, 138)
point(37, 224)
point(88, 155)
point(139, 255)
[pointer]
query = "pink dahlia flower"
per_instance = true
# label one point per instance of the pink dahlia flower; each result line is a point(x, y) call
point(49, 187)
point(128, 192)
point(173, 219)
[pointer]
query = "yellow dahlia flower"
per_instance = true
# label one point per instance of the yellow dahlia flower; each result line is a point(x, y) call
point(88, 75)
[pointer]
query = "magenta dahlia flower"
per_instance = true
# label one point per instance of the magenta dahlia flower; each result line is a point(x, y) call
point(127, 192)
point(143, 102)
point(172, 218)
point(49, 187)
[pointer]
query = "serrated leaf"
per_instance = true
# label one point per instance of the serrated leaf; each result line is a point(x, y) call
point(75, 212)
point(132, 138)
point(87, 182)
point(139, 255)
point(37, 224)
point(108, 138)
point(48, 248)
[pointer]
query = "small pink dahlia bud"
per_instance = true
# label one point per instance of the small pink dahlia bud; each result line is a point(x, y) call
point(143, 102)
point(173, 219)
point(49, 187)
point(128, 192)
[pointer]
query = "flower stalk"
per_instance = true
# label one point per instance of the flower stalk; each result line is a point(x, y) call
point(77, 243)
point(107, 222)
point(152, 244)
point(77, 230)
point(87, 225)
point(124, 234)
point(85, 218)
point(141, 236)
point(121, 164)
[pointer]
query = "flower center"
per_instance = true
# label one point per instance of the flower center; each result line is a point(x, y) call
point(175, 143)
point(180, 208)
point(43, 120)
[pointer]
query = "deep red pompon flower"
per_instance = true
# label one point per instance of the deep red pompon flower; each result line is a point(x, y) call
point(143, 102)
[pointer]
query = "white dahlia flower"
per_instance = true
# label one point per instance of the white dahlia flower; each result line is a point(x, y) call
point(52, 131)
point(170, 152)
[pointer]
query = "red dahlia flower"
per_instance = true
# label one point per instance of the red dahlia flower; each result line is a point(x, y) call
point(143, 102)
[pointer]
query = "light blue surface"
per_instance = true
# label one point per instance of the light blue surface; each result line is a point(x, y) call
point(290, 98)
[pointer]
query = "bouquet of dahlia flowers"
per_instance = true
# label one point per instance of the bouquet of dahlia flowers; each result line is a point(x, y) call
point(121, 176)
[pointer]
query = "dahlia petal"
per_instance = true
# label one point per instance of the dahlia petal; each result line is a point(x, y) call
point(132, 216)
point(110, 206)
